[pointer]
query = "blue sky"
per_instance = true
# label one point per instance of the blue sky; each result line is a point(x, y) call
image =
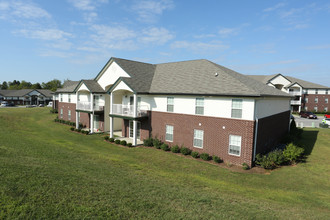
point(73, 39)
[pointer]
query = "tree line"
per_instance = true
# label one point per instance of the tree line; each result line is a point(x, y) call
point(16, 84)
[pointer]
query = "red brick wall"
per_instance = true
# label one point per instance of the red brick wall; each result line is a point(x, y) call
point(84, 119)
point(216, 134)
point(66, 107)
point(271, 130)
point(311, 102)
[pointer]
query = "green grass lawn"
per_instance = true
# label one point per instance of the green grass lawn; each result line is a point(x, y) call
point(46, 171)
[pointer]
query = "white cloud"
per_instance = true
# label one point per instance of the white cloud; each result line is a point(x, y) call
point(21, 9)
point(198, 46)
point(226, 32)
point(156, 35)
point(204, 36)
point(319, 47)
point(275, 7)
point(46, 34)
point(148, 10)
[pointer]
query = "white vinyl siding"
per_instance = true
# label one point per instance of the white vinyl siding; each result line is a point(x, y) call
point(170, 104)
point(235, 145)
point(236, 108)
point(199, 109)
point(198, 138)
point(169, 133)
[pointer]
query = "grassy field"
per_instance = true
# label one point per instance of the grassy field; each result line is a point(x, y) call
point(46, 171)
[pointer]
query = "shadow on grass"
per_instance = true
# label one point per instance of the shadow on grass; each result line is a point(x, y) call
point(308, 141)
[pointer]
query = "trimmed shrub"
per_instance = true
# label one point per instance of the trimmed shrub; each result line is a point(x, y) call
point(175, 149)
point(195, 154)
point(123, 142)
point(216, 159)
point(72, 128)
point(292, 153)
point(277, 157)
point(245, 166)
point(129, 145)
point(86, 132)
point(165, 147)
point(106, 138)
point(117, 141)
point(148, 142)
point(157, 143)
point(111, 140)
point(185, 151)
point(205, 156)
point(79, 130)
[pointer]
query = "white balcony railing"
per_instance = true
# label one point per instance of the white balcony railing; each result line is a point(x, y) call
point(295, 93)
point(295, 102)
point(128, 110)
point(87, 106)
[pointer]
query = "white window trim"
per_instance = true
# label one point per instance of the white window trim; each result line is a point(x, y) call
point(232, 101)
point(202, 106)
point(240, 150)
point(198, 139)
point(169, 97)
point(169, 133)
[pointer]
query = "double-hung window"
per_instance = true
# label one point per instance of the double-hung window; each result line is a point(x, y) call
point(170, 104)
point(69, 115)
point(236, 108)
point(61, 113)
point(199, 109)
point(169, 133)
point(69, 98)
point(61, 97)
point(306, 100)
point(316, 100)
point(198, 138)
point(326, 100)
point(235, 145)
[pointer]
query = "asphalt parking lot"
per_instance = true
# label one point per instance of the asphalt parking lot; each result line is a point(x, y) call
point(305, 122)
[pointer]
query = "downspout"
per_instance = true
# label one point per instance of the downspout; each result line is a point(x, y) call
point(255, 131)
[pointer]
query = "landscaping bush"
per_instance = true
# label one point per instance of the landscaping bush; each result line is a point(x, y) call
point(123, 142)
point(157, 143)
point(106, 138)
point(79, 130)
point(322, 125)
point(245, 166)
point(129, 145)
point(117, 141)
point(175, 149)
point(148, 142)
point(111, 140)
point(195, 154)
point(72, 128)
point(271, 160)
point(165, 147)
point(86, 132)
point(205, 156)
point(185, 151)
point(292, 153)
point(216, 159)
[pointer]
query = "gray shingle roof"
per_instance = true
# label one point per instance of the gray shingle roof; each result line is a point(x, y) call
point(23, 92)
point(303, 83)
point(68, 86)
point(93, 86)
point(196, 77)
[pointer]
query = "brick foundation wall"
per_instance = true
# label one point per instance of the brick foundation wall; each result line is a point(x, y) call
point(66, 107)
point(311, 102)
point(216, 133)
point(271, 130)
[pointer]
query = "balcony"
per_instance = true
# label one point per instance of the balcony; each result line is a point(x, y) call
point(295, 102)
point(128, 110)
point(295, 93)
point(87, 106)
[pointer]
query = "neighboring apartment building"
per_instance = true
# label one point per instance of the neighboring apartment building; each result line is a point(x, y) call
point(306, 96)
point(199, 104)
point(26, 96)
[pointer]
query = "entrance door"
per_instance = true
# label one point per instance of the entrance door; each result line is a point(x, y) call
point(96, 122)
point(131, 129)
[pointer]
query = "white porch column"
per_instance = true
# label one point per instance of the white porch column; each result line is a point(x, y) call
point(77, 113)
point(77, 120)
point(134, 121)
point(111, 102)
point(134, 132)
point(92, 113)
point(111, 127)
